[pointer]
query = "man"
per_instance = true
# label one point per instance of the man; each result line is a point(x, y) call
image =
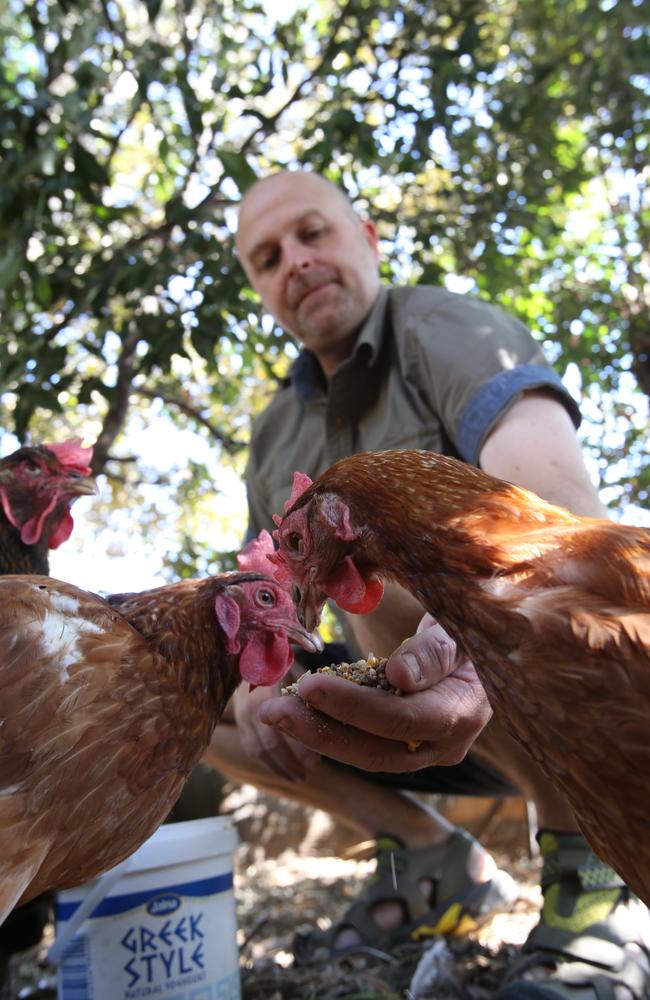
point(402, 368)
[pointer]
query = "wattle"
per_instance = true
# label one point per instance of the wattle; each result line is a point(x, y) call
point(265, 659)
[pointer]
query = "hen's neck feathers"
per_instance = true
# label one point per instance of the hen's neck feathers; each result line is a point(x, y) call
point(16, 557)
point(179, 622)
point(425, 507)
point(447, 530)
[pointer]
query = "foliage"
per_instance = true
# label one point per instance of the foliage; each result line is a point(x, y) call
point(502, 142)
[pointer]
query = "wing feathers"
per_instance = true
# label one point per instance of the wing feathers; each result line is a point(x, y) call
point(68, 749)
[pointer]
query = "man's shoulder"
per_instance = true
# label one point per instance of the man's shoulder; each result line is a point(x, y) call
point(429, 301)
point(419, 296)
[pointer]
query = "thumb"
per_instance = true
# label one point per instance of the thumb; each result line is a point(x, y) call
point(424, 659)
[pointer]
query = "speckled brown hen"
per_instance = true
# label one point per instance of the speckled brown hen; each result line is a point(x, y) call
point(553, 609)
point(108, 704)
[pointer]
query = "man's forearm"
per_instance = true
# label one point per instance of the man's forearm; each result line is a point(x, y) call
point(396, 618)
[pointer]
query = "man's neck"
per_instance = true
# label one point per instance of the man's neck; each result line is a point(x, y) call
point(331, 360)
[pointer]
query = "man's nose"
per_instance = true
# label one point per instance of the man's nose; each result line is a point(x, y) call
point(297, 257)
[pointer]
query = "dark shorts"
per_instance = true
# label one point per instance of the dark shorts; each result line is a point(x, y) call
point(471, 777)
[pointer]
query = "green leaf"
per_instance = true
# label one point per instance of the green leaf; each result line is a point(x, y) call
point(9, 268)
point(204, 341)
point(237, 166)
point(43, 290)
point(88, 166)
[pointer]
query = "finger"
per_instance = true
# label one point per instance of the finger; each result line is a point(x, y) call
point(282, 755)
point(450, 715)
point(426, 620)
point(348, 745)
point(423, 660)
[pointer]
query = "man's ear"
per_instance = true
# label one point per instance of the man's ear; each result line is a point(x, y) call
point(371, 236)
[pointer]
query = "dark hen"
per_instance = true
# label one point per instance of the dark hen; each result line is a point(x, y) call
point(38, 485)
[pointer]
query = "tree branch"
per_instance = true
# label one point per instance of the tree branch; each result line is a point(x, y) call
point(119, 407)
point(330, 49)
point(231, 445)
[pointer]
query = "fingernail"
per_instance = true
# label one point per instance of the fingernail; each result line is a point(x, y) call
point(272, 716)
point(312, 696)
point(413, 667)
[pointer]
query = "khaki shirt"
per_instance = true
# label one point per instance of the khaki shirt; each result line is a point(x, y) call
point(431, 369)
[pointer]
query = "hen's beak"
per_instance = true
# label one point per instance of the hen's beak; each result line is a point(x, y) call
point(311, 641)
point(79, 486)
point(309, 604)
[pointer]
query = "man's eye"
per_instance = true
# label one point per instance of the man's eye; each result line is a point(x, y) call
point(312, 234)
point(266, 263)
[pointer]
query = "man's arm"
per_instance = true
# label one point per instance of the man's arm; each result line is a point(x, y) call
point(535, 445)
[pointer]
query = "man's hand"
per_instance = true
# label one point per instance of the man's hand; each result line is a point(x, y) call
point(443, 705)
point(277, 751)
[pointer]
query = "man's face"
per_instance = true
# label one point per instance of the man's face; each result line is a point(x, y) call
point(312, 261)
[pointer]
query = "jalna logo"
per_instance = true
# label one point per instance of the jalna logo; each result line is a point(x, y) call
point(160, 906)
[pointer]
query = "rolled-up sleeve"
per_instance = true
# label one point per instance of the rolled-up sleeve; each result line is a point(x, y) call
point(496, 396)
point(479, 361)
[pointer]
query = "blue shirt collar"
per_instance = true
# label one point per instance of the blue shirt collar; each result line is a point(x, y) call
point(306, 374)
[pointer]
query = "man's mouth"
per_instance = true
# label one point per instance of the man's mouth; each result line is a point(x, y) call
point(302, 288)
point(309, 295)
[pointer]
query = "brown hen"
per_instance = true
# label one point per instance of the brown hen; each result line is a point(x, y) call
point(553, 609)
point(108, 704)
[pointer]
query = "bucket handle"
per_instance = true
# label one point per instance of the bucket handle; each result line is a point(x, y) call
point(101, 889)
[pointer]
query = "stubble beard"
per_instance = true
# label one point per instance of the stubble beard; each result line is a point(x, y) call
point(336, 327)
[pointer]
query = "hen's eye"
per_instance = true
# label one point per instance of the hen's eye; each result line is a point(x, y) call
point(266, 598)
point(32, 470)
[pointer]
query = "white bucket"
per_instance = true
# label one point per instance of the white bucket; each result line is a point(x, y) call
point(161, 925)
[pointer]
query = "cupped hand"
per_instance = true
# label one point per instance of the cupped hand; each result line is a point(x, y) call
point(277, 751)
point(442, 708)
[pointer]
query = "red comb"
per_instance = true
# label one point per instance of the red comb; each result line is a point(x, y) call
point(72, 455)
point(259, 556)
point(301, 482)
point(254, 557)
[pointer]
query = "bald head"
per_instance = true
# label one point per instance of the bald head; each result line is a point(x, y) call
point(313, 261)
point(285, 180)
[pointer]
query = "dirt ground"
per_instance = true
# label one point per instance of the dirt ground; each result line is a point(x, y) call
point(280, 887)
